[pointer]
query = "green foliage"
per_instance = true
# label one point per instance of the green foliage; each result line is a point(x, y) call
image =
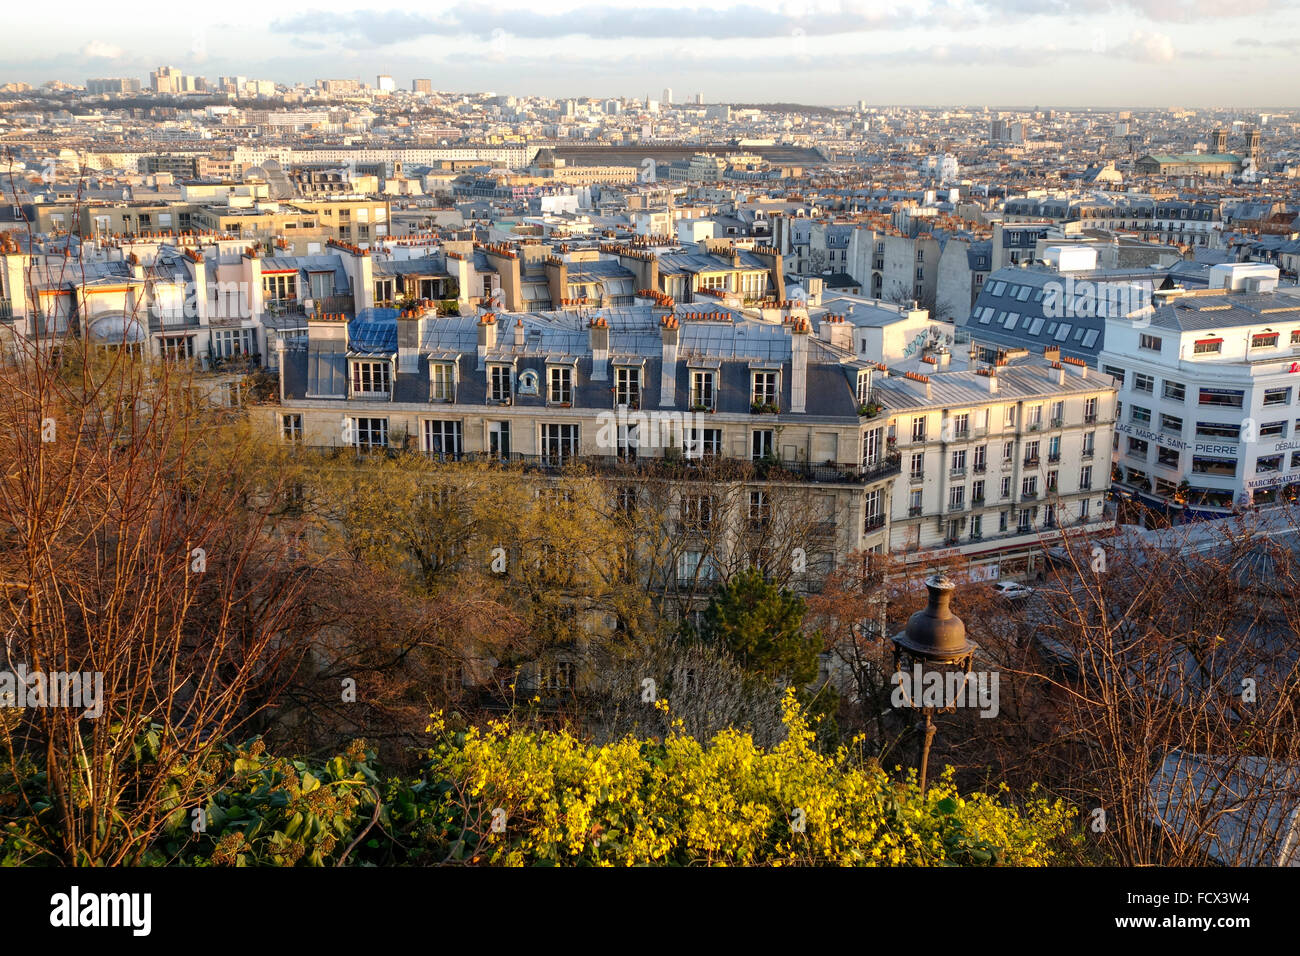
point(557, 800)
point(762, 626)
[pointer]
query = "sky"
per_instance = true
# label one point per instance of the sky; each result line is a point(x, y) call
point(1192, 53)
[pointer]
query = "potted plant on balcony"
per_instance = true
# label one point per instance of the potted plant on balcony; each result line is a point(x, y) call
point(869, 409)
point(763, 408)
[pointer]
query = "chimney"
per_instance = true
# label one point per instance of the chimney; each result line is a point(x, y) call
point(599, 329)
point(487, 337)
point(799, 365)
point(1060, 373)
point(993, 381)
point(668, 374)
point(410, 333)
point(519, 333)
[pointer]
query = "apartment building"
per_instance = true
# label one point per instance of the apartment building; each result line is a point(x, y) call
point(1209, 391)
point(998, 461)
point(620, 390)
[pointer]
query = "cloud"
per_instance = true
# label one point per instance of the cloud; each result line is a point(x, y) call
point(1147, 48)
point(99, 50)
point(743, 21)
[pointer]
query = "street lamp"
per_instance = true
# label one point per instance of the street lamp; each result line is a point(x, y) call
point(934, 638)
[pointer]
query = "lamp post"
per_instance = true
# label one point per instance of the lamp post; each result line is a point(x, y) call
point(936, 638)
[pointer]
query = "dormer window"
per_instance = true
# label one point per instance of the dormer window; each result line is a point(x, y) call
point(864, 386)
point(627, 387)
point(372, 379)
point(764, 391)
point(703, 389)
point(559, 380)
point(442, 382)
point(499, 383)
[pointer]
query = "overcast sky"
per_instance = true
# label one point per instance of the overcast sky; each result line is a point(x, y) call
point(979, 52)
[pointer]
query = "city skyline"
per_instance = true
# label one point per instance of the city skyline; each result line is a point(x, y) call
point(1192, 53)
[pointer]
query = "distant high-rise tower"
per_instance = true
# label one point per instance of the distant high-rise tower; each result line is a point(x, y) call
point(1219, 141)
point(384, 83)
point(699, 99)
point(422, 86)
point(668, 96)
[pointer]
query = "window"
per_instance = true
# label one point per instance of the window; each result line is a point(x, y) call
point(291, 427)
point(442, 379)
point(874, 512)
point(1052, 478)
point(1009, 417)
point(1222, 397)
point(1115, 372)
point(559, 381)
point(1089, 444)
point(1218, 430)
point(702, 389)
point(371, 379)
point(1151, 342)
point(1139, 415)
point(957, 498)
point(368, 432)
point(914, 503)
point(1168, 457)
point(1144, 383)
point(499, 439)
point(871, 447)
point(442, 439)
point(761, 444)
point(1267, 464)
point(1207, 347)
point(1035, 416)
point(960, 425)
point(559, 443)
point(764, 388)
point(1272, 430)
point(1029, 487)
point(1025, 520)
point(231, 342)
point(1175, 391)
point(958, 463)
point(1264, 340)
point(1008, 450)
point(980, 459)
point(864, 387)
point(1209, 465)
point(1005, 489)
point(1277, 396)
point(499, 383)
point(694, 564)
point(1295, 337)
point(1171, 424)
point(918, 463)
point(627, 387)
point(697, 513)
point(1054, 448)
point(1002, 520)
point(1137, 447)
point(176, 347)
point(1031, 453)
point(1085, 478)
point(703, 442)
point(918, 429)
point(760, 509)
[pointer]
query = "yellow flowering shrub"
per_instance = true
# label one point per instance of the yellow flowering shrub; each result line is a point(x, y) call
point(526, 797)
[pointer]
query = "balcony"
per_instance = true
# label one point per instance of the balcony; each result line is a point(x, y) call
point(915, 478)
point(915, 511)
point(977, 502)
point(1029, 495)
point(980, 468)
point(955, 506)
point(1054, 459)
point(1087, 454)
point(1034, 427)
point(873, 522)
point(1032, 462)
point(6, 310)
point(1057, 422)
point(956, 472)
point(1090, 419)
